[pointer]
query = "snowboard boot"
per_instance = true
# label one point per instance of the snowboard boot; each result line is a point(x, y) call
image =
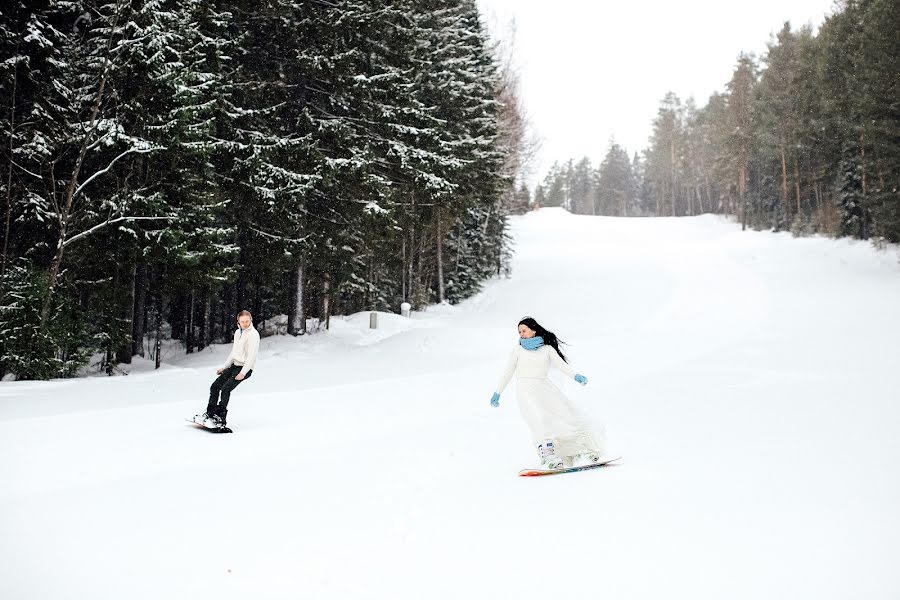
point(216, 420)
point(586, 459)
point(549, 460)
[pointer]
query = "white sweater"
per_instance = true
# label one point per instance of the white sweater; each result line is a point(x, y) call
point(533, 364)
point(244, 349)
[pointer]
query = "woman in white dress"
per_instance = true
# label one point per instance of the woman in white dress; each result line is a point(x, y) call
point(561, 434)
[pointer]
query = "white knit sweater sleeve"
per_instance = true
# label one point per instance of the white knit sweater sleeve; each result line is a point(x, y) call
point(231, 354)
point(508, 372)
point(252, 350)
point(560, 364)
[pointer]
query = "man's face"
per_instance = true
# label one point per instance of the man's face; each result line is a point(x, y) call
point(244, 322)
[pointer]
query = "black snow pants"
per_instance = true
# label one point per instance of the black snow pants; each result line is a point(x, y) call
point(220, 390)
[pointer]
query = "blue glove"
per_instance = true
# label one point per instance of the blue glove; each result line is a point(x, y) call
point(495, 400)
point(581, 379)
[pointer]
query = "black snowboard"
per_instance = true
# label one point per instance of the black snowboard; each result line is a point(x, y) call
point(209, 429)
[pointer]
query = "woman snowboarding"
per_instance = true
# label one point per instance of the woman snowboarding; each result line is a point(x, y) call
point(238, 367)
point(559, 431)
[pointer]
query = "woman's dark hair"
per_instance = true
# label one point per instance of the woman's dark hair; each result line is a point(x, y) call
point(549, 337)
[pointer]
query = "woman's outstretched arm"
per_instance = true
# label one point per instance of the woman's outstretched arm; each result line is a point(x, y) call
point(508, 372)
point(560, 364)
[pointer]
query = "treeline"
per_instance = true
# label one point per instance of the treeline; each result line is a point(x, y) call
point(165, 164)
point(806, 139)
point(613, 190)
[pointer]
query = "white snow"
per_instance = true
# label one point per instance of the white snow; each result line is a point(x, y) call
point(749, 380)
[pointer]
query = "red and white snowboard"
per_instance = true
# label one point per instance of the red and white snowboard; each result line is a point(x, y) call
point(535, 472)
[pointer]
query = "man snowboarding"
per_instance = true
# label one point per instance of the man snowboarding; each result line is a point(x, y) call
point(238, 367)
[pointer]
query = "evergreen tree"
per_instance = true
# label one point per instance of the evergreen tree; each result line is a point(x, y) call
point(617, 186)
point(196, 158)
point(663, 158)
point(581, 184)
point(540, 198)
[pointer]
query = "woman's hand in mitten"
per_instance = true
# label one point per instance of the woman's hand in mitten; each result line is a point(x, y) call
point(581, 379)
point(495, 400)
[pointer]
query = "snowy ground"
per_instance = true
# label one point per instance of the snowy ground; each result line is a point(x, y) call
point(749, 380)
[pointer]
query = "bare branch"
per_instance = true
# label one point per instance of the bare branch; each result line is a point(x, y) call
point(280, 238)
point(24, 170)
point(109, 166)
point(88, 232)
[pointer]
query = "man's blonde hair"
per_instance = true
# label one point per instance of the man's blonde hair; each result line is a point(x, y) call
point(245, 313)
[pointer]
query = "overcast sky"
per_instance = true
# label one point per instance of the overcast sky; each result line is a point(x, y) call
point(592, 69)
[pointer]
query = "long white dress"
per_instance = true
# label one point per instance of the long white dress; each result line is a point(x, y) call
point(546, 410)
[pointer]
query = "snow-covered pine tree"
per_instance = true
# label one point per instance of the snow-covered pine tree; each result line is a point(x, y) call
point(32, 48)
point(462, 84)
point(210, 155)
point(521, 200)
point(353, 112)
point(581, 188)
point(879, 85)
point(617, 188)
point(70, 142)
point(194, 256)
point(540, 198)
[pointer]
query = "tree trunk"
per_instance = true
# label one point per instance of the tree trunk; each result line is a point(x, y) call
point(189, 323)
point(374, 284)
point(257, 297)
point(140, 314)
point(784, 189)
point(211, 317)
point(159, 309)
point(403, 285)
point(411, 285)
point(862, 162)
point(864, 222)
point(225, 314)
point(420, 293)
point(297, 318)
point(241, 284)
point(126, 344)
point(741, 199)
point(301, 295)
point(708, 192)
point(9, 174)
point(823, 202)
point(411, 291)
point(816, 196)
point(797, 184)
point(672, 158)
point(203, 339)
point(818, 207)
point(440, 258)
point(326, 301)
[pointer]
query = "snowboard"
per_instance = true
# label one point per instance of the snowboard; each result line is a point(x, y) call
point(209, 429)
point(536, 472)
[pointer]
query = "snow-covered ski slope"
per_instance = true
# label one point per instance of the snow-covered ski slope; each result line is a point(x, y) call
point(751, 382)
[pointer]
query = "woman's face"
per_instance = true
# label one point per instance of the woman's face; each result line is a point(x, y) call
point(525, 332)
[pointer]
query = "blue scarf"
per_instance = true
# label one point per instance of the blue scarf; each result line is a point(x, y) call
point(532, 343)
